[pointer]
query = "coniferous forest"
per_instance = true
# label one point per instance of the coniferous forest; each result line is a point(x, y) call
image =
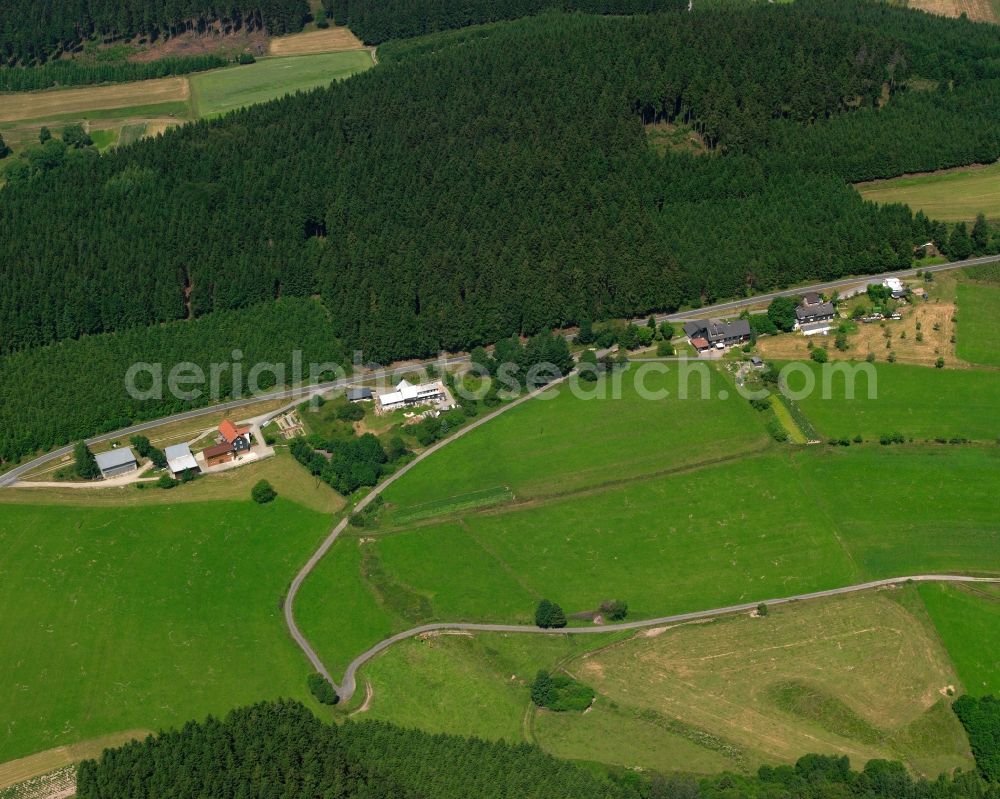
point(35, 31)
point(279, 749)
point(497, 181)
point(377, 21)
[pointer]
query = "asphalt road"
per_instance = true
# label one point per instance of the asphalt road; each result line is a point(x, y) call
point(10, 477)
point(347, 688)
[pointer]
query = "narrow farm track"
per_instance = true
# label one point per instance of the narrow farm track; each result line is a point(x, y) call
point(347, 688)
point(11, 476)
point(293, 590)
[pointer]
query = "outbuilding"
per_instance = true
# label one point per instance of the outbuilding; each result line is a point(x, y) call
point(359, 394)
point(116, 462)
point(180, 459)
point(219, 453)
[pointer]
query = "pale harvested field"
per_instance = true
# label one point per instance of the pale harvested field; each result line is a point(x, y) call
point(37, 105)
point(331, 40)
point(979, 10)
point(860, 675)
point(871, 338)
point(15, 771)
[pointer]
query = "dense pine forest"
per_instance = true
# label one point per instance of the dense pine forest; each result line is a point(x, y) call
point(35, 31)
point(499, 180)
point(279, 749)
point(76, 389)
point(377, 21)
point(72, 72)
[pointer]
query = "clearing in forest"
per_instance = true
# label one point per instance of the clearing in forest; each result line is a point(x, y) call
point(330, 40)
point(951, 195)
point(219, 91)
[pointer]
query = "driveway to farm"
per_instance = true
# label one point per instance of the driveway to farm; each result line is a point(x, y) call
point(298, 394)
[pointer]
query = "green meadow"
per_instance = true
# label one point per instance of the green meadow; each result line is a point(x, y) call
point(764, 526)
point(967, 618)
point(920, 402)
point(220, 91)
point(134, 617)
point(978, 338)
point(951, 195)
point(860, 675)
point(566, 443)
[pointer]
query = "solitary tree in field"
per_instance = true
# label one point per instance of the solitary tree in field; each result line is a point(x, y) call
point(84, 462)
point(557, 618)
point(262, 493)
point(762, 609)
point(543, 614)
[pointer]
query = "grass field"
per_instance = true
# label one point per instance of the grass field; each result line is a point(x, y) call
point(125, 618)
point(952, 195)
point(862, 675)
point(916, 401)
point(761, 527)
point(968, 621)
point(219, 91)
point(81, 102)
point(558, 445)
point(978, 338)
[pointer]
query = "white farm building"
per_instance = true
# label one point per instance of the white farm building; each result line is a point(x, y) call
point(407, 394)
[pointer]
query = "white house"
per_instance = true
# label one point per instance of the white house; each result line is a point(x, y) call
point(407, 394)
point(895, 285)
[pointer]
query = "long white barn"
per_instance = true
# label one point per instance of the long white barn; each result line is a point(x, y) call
point(407, 394)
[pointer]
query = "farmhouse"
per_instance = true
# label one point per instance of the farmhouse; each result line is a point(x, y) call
point(821, 312)
point(359, 394)
point(116, 462)
point(407, 394)
point(218, 453)
point(180, 459)
point(238, 438)
point(707, 333)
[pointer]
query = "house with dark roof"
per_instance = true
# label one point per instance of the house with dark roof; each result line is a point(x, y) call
point(807, 314)
point(706, 334)
point(811, 298)
point(362, 394)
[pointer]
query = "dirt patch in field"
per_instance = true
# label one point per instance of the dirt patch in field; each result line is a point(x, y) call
point(979, 10)
point(331, 40)
point(871, 338)
point(38, 105)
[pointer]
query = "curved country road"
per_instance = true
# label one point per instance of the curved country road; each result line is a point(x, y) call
point(293, 590)
point(346, 689)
